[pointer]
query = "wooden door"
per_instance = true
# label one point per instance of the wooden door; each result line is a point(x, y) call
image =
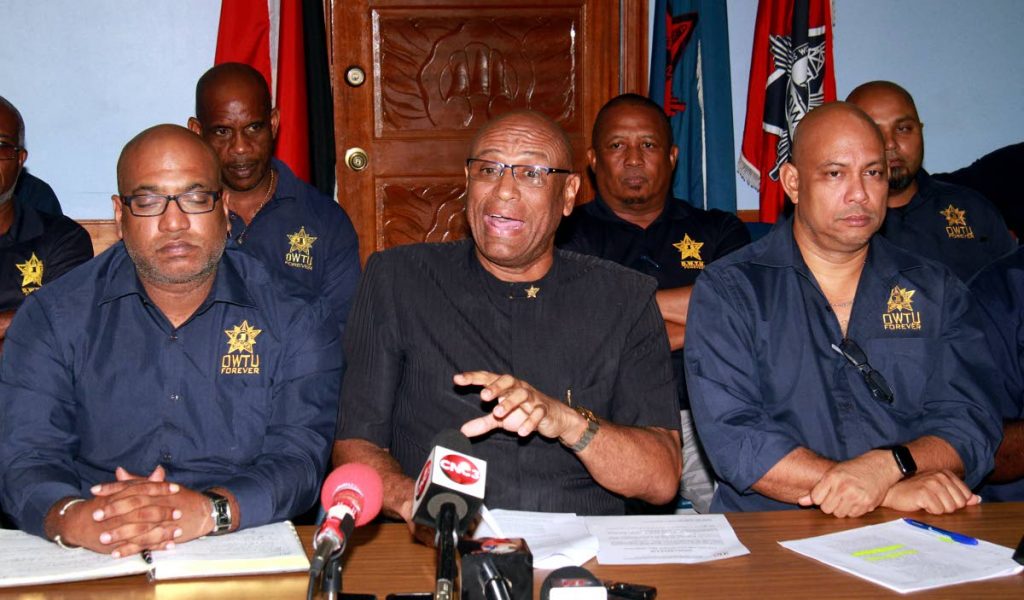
point(434, 72)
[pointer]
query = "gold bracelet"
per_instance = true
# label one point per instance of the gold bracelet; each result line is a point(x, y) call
point(60, 513)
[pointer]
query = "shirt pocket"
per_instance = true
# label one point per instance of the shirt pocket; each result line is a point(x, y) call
point(245, 412)
point(907, 364)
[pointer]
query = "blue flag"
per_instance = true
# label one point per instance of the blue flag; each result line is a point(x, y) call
point(690, 80)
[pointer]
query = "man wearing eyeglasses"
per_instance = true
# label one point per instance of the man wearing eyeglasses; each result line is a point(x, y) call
point(635, 221)
point(167, 390)
point(555, 364)
point(828, 367)
point(303, 237)
point(35, 248)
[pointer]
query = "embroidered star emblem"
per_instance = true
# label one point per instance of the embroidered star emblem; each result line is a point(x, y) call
point(242, 338)
point(901, 299)
point(31, 271)
point(300, 241)
point(688, 248)
point(954, 216)
point(531, 292)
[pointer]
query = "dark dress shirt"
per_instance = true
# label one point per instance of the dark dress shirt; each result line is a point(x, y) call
point(999, 291)
point(306, 241)
point(34, 192)
point(37, 249)
point(953, 225)
point(242, 395)
point(765, 380)
point(428, 311)
point(673, 249)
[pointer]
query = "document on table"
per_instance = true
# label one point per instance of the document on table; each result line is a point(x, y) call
point(658, 539)
point(29, 560)
point(555, 539)
point(904, 558)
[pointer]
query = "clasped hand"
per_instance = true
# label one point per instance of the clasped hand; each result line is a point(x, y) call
point(135, 513)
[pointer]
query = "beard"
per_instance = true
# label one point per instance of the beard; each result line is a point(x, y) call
point(634, 200)
point(900, 179)
point(149, 272)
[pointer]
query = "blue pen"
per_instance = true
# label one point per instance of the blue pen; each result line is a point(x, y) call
point(956, 537)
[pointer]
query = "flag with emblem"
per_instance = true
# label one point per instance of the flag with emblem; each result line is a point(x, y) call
point(791, 72)
point(285, 41)
point(690, 79)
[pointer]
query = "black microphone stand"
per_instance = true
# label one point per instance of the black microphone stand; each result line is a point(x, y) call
point(332, 579)
point(446, 539)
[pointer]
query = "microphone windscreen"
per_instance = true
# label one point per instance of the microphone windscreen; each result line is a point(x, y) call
point(360, 478)
point(453, 440)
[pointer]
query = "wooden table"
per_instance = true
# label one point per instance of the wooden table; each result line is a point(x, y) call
point(383, 559)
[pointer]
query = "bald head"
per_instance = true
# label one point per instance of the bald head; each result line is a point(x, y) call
point(873, 89)
point(561, 147)
point(233, 79)
point(11, 112)
point(150, 147)
point(822, 122)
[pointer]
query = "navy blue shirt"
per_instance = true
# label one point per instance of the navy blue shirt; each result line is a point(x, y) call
point(37, 249)
point(306, 241)
point(951, 224)
point(34, 192)
point(425, 312)
point(764, 379)
point(242, 395)
point(999, 290)
point(673, 249)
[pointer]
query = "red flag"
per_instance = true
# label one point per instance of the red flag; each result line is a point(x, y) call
point(245, 35)
point(791, 72)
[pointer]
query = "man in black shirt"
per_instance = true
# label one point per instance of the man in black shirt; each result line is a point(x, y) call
point(35, 247)
point(635, 222)
point(953, 225)
point(555, 364)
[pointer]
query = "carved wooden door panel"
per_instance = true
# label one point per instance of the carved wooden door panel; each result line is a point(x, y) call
point(432, 75)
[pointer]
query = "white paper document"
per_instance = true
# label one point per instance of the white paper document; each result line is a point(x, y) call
point(905, 559)
point(658, 539)
point(555, 539)
point(29, 560)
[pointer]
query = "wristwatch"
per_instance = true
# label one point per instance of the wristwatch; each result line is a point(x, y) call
point(588, 434)
point(904, 460)
point(220, 513)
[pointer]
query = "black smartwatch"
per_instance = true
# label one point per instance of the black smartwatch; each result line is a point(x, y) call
point(904, 460)
point(220, 512)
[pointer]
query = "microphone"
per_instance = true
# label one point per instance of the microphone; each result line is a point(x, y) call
point(451, 475)
point(447, 495)
point(352, 496)
point(572, 583)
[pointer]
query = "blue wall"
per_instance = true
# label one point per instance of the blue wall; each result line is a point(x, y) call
point(89, 75)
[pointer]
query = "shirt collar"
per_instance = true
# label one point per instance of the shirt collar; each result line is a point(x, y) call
point(287, 183)
point(26, 225)
point(228, 284)
point(674, 210)
point(779, 249)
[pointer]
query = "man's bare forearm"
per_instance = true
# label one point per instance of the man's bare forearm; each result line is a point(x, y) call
point(674, 303)
point(636, 462)
point(933, 453)
point(398, 487)
point(1010, 455)
point(794, 476)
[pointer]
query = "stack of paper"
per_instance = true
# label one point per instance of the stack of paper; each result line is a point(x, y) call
point(562, 539)
point(905, 559)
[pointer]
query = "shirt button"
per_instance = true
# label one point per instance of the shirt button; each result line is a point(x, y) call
point(175, 397)
point(174, 337)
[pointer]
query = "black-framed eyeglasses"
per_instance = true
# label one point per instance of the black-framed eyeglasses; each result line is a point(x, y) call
point(9, 151)
point(875, 381)
point(490, 171)
point(154, 205)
